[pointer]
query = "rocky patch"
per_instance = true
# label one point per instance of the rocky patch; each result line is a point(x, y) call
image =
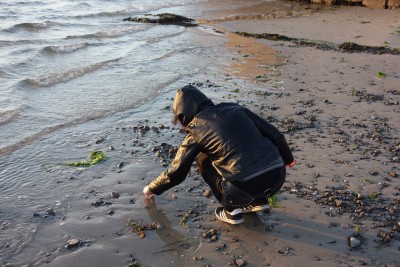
point(164, 19)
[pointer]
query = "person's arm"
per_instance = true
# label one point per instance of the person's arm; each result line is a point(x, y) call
point(272, 133)
point(178, 170)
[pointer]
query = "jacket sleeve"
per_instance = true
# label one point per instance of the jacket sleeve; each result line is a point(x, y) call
point(179, 168)
point(272, 133)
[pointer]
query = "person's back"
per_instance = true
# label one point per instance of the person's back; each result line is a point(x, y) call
point(232, 140)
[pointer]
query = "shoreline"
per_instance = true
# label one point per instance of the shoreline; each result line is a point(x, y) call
point(341, 121)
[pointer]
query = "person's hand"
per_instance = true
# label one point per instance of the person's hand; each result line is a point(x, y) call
point(292, 164)
point(147, 193)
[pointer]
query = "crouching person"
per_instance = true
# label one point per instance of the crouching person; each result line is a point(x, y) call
point(240, 156)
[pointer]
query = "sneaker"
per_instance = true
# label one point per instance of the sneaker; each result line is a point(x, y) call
point(234, 217)
point(256, 206)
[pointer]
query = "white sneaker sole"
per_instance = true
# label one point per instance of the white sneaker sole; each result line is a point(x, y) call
point(222, 217)
point(255, 208)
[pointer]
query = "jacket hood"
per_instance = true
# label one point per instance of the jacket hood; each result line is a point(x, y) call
point(188, 102)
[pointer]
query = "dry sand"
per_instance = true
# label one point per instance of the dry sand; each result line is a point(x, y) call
point(343, 125)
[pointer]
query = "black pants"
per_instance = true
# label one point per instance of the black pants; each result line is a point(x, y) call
point(265, 184)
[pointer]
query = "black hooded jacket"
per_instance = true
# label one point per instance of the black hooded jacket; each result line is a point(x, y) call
point(240, 144)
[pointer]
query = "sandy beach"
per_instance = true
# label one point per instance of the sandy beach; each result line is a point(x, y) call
point(339, 205)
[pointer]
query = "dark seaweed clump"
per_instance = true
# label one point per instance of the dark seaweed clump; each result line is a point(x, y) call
point(347, 47)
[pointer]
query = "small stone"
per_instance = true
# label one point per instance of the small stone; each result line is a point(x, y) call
point(207, 193)
point(240, 262)
point(50, 211)
point(74, 242)
point(354, 242)
point(120, 165)
point(115, 194)
point(338, 202)
point(373, 172)
point(214, 238)
point(110, 212)
point(98, 141)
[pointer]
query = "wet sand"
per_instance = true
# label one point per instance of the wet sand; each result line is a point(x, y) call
point(341, 121)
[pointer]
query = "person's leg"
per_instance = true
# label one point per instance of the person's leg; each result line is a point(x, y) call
point(210, 175)
point(213, 179)
point(266, 185)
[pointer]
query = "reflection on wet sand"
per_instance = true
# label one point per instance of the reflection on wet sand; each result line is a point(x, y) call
point(175, 242)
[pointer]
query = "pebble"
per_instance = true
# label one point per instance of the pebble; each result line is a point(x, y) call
point(50, 211)
point(240, 262)
point(98, 141)
point(115, 194)
point(120, 165)
point(354, 242)
point(207, 193)
point(110, 212)
point(74, 242)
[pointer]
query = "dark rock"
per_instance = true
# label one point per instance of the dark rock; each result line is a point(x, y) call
point(99, 203)
point(165, 19)
point(111, 212)
point(50, 211)
point(98, 141)
point(115, 194)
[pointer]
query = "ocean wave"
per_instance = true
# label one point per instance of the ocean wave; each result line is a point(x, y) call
point(31, 26)
point(61, 49)
point(107, 13)
point(110, 33)
point(7, 116)
point(54, 78)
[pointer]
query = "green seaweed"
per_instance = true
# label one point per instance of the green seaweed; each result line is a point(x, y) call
point(358, 229)
point(373, 196)
point(367, 181)
point(184, 221)
point(380, 74)
point(273, 201)
point(95, 156)
point(261, 77)
point(353, 146)
point(235, 91)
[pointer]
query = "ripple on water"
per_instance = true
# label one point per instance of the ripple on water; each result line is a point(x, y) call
point(7, 116)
